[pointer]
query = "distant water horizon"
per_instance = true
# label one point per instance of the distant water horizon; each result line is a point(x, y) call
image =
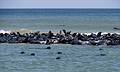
point(76, 20)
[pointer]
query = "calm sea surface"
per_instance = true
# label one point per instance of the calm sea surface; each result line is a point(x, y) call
point(74, 58)
point(76, 20)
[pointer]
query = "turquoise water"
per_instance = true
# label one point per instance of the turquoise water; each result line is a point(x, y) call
point(74, 58)
point(76, 20)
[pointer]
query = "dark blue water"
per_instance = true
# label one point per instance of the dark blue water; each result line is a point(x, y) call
point(61, 12)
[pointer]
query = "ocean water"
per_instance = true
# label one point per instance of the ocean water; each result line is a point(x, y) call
point(76, 20)
point(74, 58)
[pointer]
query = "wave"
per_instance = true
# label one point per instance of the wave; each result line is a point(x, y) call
point(4, 31)
point(23, 30)
point(89, 33)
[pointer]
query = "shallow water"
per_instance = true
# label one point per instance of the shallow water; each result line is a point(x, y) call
point(74, 58)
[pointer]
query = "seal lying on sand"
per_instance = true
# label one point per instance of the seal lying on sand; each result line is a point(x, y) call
point(63, 37)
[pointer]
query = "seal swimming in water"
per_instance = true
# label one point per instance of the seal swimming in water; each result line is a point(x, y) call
point(100, 49)
point(58, 58)
point(59, 52)
point(32, 54)
point(116, 28)
point(102, 54)
point(22, 52)
point(48, 47)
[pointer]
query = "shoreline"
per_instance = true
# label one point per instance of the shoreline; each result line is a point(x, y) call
point(62, 37)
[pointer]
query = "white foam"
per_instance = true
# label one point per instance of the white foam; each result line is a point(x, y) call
point(89, 33)
point(3, 31)
point(23, 30)
point(110, 33)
